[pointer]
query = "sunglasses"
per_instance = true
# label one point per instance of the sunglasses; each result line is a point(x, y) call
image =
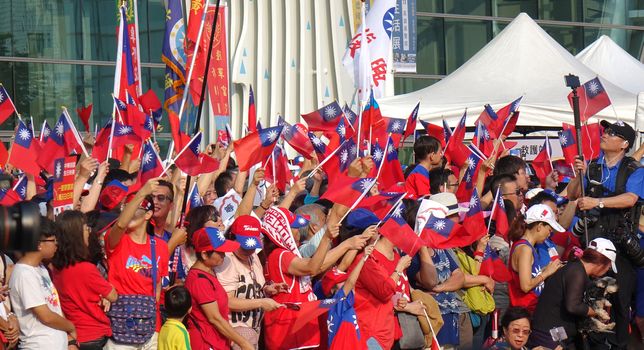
point(517, 192)
point(54, 240)
point(611, 132)
point(162, 198)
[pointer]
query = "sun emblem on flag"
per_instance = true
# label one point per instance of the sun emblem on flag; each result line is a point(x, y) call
point(24, 134)
point(23, 192)
point(317, 141)
point(125, 129)
point(250, 242)
point(149, 124)
point(221, 235)
point(330, 324)
point(342, 130)
point(353, 149)
point(396, 126)
point(329, 112)
point(468, 178)
point(439, 225)
point(563, 139)
point(593, 87)
point(328, 301)
point(272, 135)
point(46, 132)
point(60, 129)
point(121, 104)
point(398, 212)
point(344, 156)
point(470, 162)
point(147, 158)
point(473, 202)
point(377, 154)
point(365, 184)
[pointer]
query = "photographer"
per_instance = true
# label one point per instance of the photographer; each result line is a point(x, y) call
point(611, 186)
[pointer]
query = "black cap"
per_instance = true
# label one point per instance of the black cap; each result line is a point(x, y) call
point(622, 130)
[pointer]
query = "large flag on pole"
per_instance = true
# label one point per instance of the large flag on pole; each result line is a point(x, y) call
point(124, 77)
point(174, 56)
point(375, 35)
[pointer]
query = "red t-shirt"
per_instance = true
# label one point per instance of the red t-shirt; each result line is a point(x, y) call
point(277, 324)
point(373, 304)
point(80, 287)
point(417, 183)
point(130, 267)
point(205, 288)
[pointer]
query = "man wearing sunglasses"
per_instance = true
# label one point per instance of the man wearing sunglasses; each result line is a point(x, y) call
point(613, 195)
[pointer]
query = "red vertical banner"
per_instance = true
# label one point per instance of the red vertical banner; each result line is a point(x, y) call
point(64, 174)
point(218, 79)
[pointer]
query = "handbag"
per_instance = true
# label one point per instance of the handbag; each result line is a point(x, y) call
point(133, 317)
point(475, 298)
point(413, 337)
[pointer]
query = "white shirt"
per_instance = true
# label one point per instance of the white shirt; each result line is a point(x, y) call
point(32, 287)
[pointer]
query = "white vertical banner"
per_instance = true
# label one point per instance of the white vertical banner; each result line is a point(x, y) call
point(375, 35)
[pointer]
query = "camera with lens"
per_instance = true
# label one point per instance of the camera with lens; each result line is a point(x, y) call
point(20, 223)
point(629, 245)
point(592, 216)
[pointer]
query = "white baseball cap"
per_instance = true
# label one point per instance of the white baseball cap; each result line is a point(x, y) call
point(543, 213)
point(449, 200)
point(605, 248)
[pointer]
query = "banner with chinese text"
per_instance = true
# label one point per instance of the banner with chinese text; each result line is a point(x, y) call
point(403, 38)
point(64, 175)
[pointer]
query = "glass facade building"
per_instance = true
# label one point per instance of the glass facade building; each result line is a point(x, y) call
point(55, 52)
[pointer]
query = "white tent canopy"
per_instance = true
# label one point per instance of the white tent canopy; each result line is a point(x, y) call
point(521, 60)
point(611, 62)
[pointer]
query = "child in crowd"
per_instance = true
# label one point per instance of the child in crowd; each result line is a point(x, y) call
point(174, 335)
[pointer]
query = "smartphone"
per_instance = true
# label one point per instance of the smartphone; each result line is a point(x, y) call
point(292, 306)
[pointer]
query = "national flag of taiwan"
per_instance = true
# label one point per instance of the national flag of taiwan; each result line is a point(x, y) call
point(447, 131)
point(342, 323)
point(310, 310)
point(490, 119)
point(256, 146)
point(482, 139)
point(252, 114)
point(474, 223)
point(195, 199)
point(371, 116)
point(347, 190)
point(22, 154)
point(568, 145)
point(542, 163)
point(325, 118)
point(400, 233)
point(340, 160)
point(435, 131)
point(350, 114)
point(20, 188)
point(151, 104)
point(124, 135)
point(151, 166)
point(381, 204)
point(410, 127)
point(45, 131)
point(504, 118)
point(395, 126)
point(54, 148)
point(592, 99)
point(344, 131)
point(391, 173)
point(492, 266)
point(192, 162)
point(124, 76)
point(511, 124)
point(297, 137)
point(468, 182)
point(443, 233)
point(6, 105)
point(318, 145)
point(590, 138)
point(84, 113)
point(278, 163)
point(500, 217)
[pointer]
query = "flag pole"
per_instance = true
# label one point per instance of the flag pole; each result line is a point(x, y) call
point(109, 146)
point(75, 131)
point(384, 154)
point(202, 96)
point(44, 122)
point(165, 169)
point(496, 198)
point(355, 204)
point(325, 160)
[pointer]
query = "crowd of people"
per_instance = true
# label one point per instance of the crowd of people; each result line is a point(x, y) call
point(253, 267)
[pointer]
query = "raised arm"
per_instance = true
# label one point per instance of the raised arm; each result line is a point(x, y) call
point(117, 231)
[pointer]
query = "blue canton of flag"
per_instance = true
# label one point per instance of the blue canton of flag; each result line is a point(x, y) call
point(350, 114)
point(363, 184)
point(21, 187)
point(45, 132)
point(593, 88)
point(346, 154)
point(490, 112)
point(268, 136)
point(475, 204)
point(396, 126)
point(441, 226)
point(392, 153)
point(331, 111)
point(447, 131)
point(377, 153)
point(397, 212)
point(120, 104)
point(123, 130)
point(472, 163)
point(318, 144)
point(23, 136)
point(195, 198)
point(150, 158)
point(342, 312)
point(173, 55)
point(566, 138)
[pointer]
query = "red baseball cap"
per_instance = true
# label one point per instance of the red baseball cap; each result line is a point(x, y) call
point(210, 238)
point(247, 229)
point(294, 220)
point(112, 195)
point(331, 279)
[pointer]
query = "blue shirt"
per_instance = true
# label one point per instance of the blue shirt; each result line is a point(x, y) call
point(634, 183)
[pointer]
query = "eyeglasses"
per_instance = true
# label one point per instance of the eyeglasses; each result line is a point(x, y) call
point(611, 132)
point(452, 185)
point(517, 193)
point(162, 198)
point(54, 240)
point(517, 331)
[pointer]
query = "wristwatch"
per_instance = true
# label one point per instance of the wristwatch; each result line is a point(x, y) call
point(601, 204)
